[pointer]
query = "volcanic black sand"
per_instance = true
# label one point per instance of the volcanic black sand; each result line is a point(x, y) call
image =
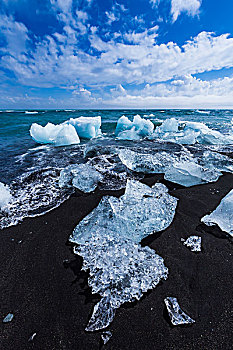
point(41, 282)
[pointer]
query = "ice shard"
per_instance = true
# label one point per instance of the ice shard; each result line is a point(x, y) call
point(135, 130)
point(5, 195)
point(102, 316)
point(193, 243)
point(108, 241)
point(105, 336)
point(8, 318)
point(81, 176)
point(222, 215)
point(177, 315)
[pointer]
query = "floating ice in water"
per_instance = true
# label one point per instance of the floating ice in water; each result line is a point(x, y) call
point(186, 132)
point(31, 112)
point(5, 195)
point(108, 241)
point(194, 243)
point(86, 127)
point(105, 336)
point(135, 130)
point(67, 133)
point(59, 135)
point(8, 318)
point(82, 176)
point(177, 315)
point(139, 212)
point(222, 215)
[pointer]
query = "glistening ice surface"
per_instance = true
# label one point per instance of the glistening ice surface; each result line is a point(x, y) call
point(222, 215)
point(177, 315)
point(193, 243)
point(108, 241)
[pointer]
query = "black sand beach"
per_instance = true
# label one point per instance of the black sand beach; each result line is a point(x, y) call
point(41, 282)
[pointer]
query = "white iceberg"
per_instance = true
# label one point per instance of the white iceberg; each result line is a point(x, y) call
point(58, 135)
point(67, 133)
point(177, 315)
point(86, 127)
point(222, 215)
point(5, 196)
point(135, 130)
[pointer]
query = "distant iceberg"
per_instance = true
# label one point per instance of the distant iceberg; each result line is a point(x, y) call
point(222, 215)
point(135, 130)
point(67, 133)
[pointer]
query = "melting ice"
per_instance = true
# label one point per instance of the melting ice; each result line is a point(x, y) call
point(222, 215)
point(193, 243)
point(177, 315)
point(108, 241)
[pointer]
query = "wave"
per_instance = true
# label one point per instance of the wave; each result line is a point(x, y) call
point(31, 112)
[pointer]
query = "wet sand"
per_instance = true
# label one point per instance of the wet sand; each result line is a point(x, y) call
point(41, 282)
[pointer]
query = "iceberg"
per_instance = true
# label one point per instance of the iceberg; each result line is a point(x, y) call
point(108, 241)
point(222, 215)
point(186, 132)
point(67, 133)
point(194, 243)
point(5, 196)
point(177, 315)
point(135, 130)
point(81, 176)
point(58, 135)
point(86, 127)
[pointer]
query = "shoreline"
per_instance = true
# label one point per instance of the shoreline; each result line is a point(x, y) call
point(43, 287)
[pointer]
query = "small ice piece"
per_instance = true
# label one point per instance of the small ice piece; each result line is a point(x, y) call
point(102, 316)
point(8, 318)
point(82, 176)
point(222, 215)
point(105, 336)
point(32, 337)
point(194, 243)
point(135, 130)
point(59, 135)
point(177, 315)
point(86, 127)
point(190, 173)
point(5, 195)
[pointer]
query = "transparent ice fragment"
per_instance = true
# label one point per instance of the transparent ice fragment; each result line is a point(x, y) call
point(222, 215)
point(194, 243)
point(106, 336)
point(103, 314)
point(32, 337)
point(177, 315)
point(135, 130)
point(82, 176)
point(8, 318)
point(86, 127)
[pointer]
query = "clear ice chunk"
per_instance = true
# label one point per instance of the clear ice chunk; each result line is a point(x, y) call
point(177, 315)
point(103, 315)
point(222, 215)
point(105, 336)
point(81, 176)
point(86, 127)
point(108, 241)
point(193, 243)
point(8, 318)
point(139, 212)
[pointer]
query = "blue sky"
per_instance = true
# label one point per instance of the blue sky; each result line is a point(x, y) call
point(116, 54)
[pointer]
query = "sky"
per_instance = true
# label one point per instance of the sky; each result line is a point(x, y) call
point(116, 54)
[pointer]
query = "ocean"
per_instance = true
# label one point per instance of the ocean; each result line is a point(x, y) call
point(32, 170)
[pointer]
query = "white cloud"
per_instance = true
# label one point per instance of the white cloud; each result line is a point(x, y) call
point(191, 7)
